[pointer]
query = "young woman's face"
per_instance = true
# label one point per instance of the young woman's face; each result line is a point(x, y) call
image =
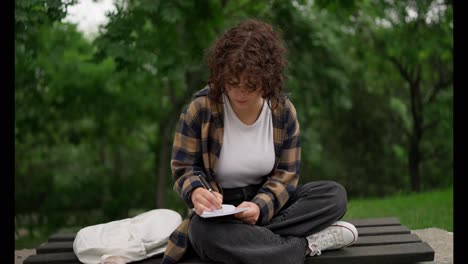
point(241, 97)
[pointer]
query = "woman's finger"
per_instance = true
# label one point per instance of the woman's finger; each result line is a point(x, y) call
point(199, 209)
point(206, 203)
point(249, 216)
point(219, 196)
point(214, 200)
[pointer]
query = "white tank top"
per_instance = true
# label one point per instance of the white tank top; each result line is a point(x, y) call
point(248, 152)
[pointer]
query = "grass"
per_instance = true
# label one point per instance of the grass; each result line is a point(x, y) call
point(416, 210)
point(29, 242)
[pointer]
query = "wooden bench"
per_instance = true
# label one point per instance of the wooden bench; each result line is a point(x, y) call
point(381, 240)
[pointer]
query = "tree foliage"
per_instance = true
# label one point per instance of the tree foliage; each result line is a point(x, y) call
point(94, 119)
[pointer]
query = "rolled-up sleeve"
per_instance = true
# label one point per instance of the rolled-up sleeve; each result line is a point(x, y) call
point(186, 158)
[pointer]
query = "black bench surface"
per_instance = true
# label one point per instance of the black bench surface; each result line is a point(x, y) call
point(381, 240)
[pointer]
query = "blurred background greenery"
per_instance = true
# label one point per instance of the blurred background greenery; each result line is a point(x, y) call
point(372, 81)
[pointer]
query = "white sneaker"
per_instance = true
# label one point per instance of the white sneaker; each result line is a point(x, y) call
point(338, 235)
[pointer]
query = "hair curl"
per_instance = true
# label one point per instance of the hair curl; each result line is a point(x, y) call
point(254, 49)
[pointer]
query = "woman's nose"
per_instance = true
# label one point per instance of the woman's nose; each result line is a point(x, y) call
point(243, 91)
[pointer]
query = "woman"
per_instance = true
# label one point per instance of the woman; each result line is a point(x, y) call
point(240, 134)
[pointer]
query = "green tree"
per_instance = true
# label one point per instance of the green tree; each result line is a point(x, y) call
point(165, 41)
point(31, 129)
point(415, 37)
point(94, 121)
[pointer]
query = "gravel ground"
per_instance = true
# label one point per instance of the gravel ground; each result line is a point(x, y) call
point(440, 240)
point(21, 255)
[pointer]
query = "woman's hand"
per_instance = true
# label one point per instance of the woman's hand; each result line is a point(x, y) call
point(251, 215)
point(204, 200)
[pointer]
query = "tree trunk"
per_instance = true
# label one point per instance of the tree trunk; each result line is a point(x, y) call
point(414, 157)
point(414, 160)
point(163, 167)
point(194, 81)
point(412, 75)
point(116, 186)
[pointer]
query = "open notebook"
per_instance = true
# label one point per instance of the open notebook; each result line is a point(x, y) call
point(228, 209)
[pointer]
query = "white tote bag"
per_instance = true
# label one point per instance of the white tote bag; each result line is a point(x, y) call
point(126, 240)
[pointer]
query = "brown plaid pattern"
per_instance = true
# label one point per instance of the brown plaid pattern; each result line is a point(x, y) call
point(197, 145)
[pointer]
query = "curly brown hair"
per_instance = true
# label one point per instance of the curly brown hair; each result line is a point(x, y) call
point(252, 48)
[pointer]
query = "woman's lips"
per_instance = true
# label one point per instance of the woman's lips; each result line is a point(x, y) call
point(241, 102)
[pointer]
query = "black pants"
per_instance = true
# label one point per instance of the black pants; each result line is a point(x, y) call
point(313, 207)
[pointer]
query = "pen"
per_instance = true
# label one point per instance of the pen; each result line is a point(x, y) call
point(207, 186)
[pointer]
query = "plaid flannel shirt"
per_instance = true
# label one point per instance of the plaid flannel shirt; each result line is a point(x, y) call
point(196, 149)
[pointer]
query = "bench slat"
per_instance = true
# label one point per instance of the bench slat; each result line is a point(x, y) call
point(61, 237)
point(53, 258)
point(56, 247)
point(383, 221)
point(386, 240)
point(385, 254)
point(67, 246)
point(370, 222)
point(383, 230)
point(70, 258)
point(397, 253)
point(381, 240)
point(388, 224)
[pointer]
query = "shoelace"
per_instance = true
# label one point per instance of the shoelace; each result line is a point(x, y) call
point(314, 250)
point(321, 241)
